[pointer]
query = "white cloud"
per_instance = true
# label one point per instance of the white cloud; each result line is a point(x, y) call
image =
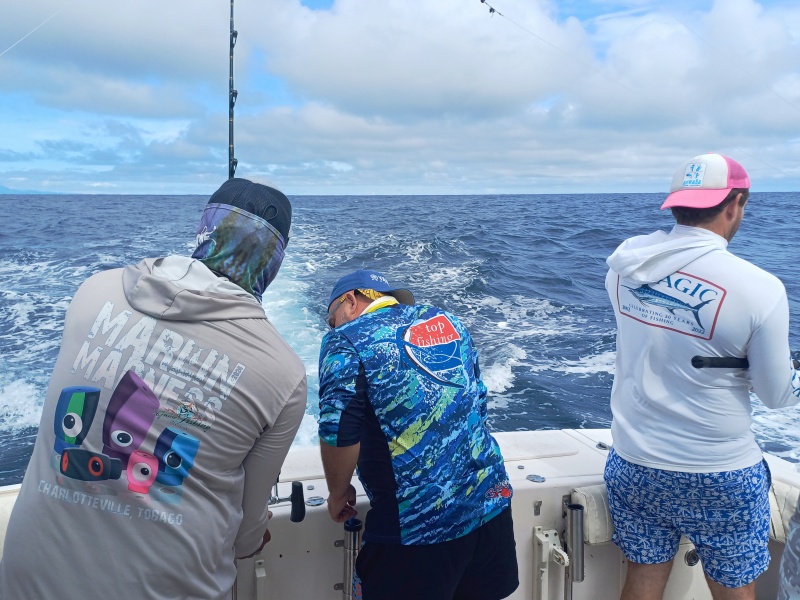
point(398, 97)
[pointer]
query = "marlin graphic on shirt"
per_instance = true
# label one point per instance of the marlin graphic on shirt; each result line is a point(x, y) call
point(647, 295)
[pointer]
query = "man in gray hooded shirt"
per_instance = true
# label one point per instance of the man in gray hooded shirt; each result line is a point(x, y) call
point(171, 407)
point(684, 459)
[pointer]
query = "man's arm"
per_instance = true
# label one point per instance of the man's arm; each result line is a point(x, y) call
point(774, 379)
point(341, 414)
point(261, 467)
point(339, 464)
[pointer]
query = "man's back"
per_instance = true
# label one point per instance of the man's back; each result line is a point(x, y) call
point(433, 471)
point(152, 502)
point(702, 301)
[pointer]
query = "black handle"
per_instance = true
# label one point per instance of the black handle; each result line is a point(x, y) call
point(719, 362)
point(298, 503)
point(727, 362)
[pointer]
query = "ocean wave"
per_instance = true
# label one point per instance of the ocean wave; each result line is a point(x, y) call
point(20, 405)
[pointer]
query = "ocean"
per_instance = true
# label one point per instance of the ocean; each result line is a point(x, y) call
point(524, 272)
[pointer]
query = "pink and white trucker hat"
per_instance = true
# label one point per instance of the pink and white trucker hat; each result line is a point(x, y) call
point(705, 181)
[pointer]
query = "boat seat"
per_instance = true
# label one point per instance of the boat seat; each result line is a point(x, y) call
point(783, 499)
point(598, 528)
point(597, 525)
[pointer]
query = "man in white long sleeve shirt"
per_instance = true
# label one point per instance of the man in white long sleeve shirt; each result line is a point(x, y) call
point(684, 459)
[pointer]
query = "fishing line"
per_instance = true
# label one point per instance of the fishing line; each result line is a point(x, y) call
point(594, 70)
point(738, 66)
point(493, 11)
point(31, 31)
point(743, 70)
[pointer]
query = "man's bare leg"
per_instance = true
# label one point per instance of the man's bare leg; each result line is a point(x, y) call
point(720, 592)
point(646, 582)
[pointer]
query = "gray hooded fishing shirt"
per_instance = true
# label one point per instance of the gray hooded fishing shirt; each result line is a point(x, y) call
point(171, 407)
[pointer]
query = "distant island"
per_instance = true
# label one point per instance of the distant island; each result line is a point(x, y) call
point(5, 190)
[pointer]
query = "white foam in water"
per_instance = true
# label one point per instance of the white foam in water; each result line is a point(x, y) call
point(20, 405)
point(777, 427)
point(308, 434)
point(590, 365)
point(499, 376)
point(303, 329)
point(525, 317)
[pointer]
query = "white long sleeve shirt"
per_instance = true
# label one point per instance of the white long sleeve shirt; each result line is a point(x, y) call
point(675, 296)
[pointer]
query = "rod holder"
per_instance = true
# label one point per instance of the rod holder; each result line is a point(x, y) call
point(352, 545)
point(575, 541)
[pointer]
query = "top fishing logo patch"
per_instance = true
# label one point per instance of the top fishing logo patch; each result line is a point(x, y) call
point(680, 302)
point(433, 348)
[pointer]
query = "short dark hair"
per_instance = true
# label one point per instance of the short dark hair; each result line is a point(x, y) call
point(700, 216)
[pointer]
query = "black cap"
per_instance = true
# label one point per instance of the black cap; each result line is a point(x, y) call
point(258, 199)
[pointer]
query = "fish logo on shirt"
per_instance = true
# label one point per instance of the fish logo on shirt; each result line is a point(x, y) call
point(186, 409)
point(432, 346)
point(205, 235)
point(648, 296)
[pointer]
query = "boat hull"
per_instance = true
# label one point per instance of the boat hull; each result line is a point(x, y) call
point(306, 559)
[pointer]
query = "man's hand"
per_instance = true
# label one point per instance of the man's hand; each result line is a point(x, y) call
point(264, 541)
point(342, 507)
point(339, 464)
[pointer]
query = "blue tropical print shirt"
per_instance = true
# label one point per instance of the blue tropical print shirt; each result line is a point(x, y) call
point(404, 382)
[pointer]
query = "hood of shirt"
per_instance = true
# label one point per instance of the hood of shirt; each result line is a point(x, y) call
point(179, 288)
point(650, 258)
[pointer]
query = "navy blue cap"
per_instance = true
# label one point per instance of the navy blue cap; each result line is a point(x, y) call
point(364, 279)
point(258, 199)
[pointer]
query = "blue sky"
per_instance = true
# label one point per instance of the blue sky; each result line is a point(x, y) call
point(396, 97)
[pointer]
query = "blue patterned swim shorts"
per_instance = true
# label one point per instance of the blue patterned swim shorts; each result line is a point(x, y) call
point(725, 515)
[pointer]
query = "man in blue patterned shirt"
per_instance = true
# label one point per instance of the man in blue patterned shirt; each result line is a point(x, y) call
point(402, 398)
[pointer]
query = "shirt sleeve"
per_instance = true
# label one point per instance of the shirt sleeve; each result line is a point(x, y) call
point(340, 403)
point(262, 466)
point(775, 381)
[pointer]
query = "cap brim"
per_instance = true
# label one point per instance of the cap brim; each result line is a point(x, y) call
point(403, 296)
point(696, 198)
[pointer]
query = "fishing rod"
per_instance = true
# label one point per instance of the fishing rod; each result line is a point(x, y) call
point(726, 362)
point(232, 94)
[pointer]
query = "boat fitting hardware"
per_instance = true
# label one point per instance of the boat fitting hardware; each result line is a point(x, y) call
point(310, 486)
point(537, 508)
point(691, 558)
point(603, 446)
point(547, 548)
point(574, 539)
point(298, 503)
point(351, 544)
point(261, 579)
point(315, 501)
point(536, 478)
point(296, 498)
point(520, 467)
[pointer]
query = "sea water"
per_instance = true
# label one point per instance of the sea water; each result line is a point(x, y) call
point(525, 273)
